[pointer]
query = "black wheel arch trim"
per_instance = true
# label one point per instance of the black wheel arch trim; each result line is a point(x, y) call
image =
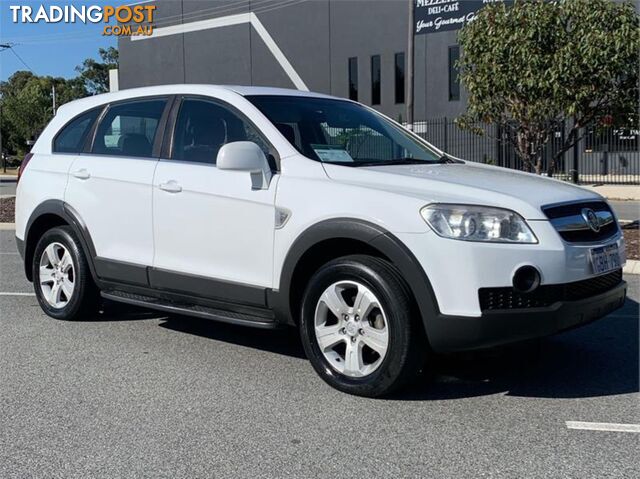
point(72, 218)
point(375, 236)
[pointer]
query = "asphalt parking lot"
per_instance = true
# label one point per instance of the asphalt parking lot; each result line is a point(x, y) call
point(137, 394)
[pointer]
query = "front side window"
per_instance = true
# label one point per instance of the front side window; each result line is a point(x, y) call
point(342, 132)
point(129, 129)
point(204, 126)
point(72, 137)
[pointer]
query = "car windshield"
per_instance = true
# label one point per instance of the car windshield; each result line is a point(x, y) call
point(342, 132)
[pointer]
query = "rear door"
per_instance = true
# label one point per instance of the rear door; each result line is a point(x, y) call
point(110, 187)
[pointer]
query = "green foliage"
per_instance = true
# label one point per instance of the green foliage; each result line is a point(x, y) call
point(94, 74)
point(26, 100)
point(27, 104)
point(531, 66)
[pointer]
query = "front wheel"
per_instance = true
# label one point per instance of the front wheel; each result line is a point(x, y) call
point(359, 327)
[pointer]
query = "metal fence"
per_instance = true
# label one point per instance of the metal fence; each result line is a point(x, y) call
point(604, 155)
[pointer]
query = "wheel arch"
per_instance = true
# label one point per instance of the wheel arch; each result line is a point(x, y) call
point(50, 214)
point(334, 238)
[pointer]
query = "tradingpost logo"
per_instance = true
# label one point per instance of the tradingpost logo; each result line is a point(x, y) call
point(123, 20)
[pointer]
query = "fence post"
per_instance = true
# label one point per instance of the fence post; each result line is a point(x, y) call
point(575, 168)
point(498, 138)
point(604, 167)
point(446, 135)
point(575, 163)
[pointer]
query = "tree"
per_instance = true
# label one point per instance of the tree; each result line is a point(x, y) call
point(95, 74)
point(537, 65)
point(26, 100)
point(27, 105)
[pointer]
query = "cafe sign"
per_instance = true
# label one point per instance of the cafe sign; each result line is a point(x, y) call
point(433, 16)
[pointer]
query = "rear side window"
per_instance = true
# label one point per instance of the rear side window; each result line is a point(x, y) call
point(72, 137)
point(129, 129)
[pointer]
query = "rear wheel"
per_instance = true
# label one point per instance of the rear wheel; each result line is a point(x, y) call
point(61, 276)
point(359, 327)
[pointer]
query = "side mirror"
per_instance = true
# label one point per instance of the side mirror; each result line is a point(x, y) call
point(246, 156)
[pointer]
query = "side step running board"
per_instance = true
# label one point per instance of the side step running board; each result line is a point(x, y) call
point(189, 310)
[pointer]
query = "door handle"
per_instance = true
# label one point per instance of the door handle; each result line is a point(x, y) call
point(171, 187)
point(82, 174)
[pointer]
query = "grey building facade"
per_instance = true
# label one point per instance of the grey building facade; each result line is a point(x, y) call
point(329, 45)
point(348, 48)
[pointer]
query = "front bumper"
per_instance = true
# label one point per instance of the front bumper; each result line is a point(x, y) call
point(457, 270)
point(493, 328)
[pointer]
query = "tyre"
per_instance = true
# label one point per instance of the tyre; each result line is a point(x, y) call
point(359, 328)
point(61, 276)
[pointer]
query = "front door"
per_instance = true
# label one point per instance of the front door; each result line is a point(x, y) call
point(213, 234)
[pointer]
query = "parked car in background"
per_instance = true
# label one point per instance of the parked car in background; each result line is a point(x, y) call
point(268, 207)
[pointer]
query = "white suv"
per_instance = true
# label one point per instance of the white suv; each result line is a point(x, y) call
point(267, 207)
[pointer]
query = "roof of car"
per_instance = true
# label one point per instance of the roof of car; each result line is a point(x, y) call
point(262, 90)
point(181, 88)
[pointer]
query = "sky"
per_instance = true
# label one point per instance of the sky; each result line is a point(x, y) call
point(50, 48)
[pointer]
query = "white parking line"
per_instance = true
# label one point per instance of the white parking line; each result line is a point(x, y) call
point(603, 426)
point(16, 294)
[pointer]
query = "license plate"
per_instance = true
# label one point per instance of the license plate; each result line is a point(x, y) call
point(605, 258)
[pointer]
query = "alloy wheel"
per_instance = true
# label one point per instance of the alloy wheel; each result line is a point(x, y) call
point(57, 275)
point(351, 329)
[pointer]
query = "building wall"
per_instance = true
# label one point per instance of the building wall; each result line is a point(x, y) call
point(316, 36)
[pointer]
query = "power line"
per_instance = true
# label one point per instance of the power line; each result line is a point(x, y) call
point(20, 58)
point(10, 46)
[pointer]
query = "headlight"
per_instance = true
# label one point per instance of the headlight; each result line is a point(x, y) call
point(477, 223)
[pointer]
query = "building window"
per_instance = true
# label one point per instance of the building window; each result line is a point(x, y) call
point(454, 79)
point(353, 79)
point(375, 80)
point(400, 77)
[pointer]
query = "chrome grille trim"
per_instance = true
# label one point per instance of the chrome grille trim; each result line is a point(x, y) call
point(577, 222)
point(569, 222)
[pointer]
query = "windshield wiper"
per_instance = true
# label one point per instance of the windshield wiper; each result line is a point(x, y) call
point(446, 159)
point(395, 161)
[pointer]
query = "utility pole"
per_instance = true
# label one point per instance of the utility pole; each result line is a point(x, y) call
point(3, 47)
point(411, 39)
point(2, 157)
point(53, 97)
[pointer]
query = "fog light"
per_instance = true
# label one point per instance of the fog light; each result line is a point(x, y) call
point(526, 279)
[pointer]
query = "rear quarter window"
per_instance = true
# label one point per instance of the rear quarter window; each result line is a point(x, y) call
point(73, 135)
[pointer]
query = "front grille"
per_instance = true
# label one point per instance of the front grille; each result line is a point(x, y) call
point(589, 236)
point(507, 298)
point(571, 209)
point(568, 221)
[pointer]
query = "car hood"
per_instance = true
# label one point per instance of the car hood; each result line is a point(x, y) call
point(466, 183)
